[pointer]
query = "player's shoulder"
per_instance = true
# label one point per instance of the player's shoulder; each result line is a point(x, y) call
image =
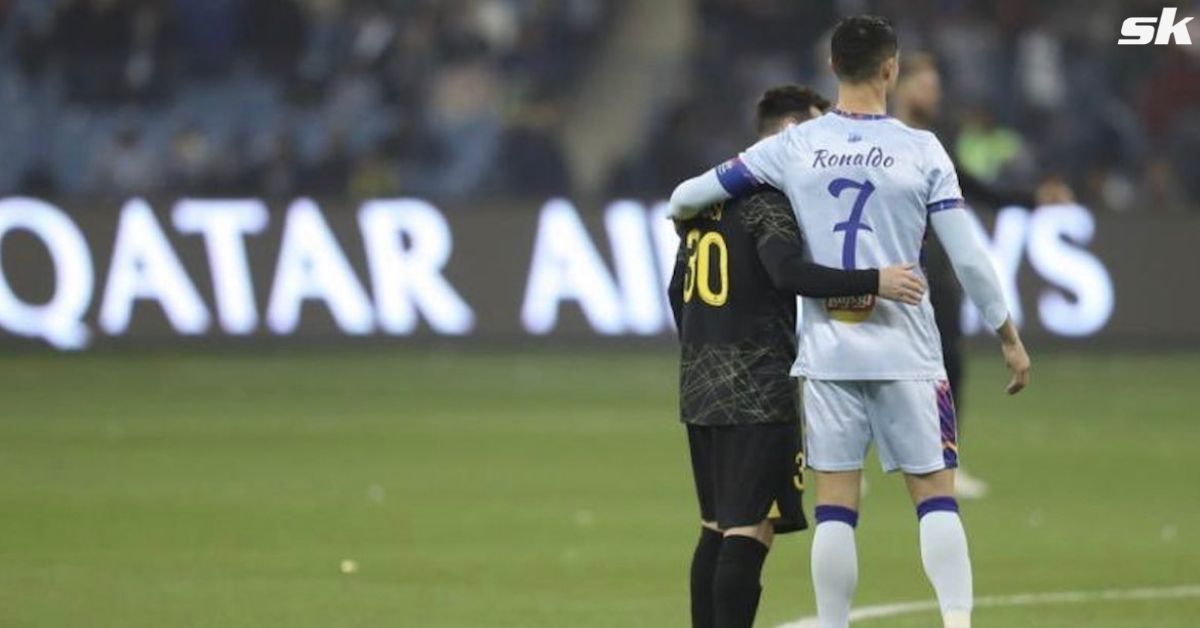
point(799, 134)
point(809, 128)
point(921, 142)
point(765, 198)
point(766, 210)
point(922, 137)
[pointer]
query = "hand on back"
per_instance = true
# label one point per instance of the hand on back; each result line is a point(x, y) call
point(901, 283)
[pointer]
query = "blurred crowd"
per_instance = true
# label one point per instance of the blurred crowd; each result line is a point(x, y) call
point(1029, 90)
point(469, 97)
point(280, 97)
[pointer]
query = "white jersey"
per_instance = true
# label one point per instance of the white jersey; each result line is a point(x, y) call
point(862, 187)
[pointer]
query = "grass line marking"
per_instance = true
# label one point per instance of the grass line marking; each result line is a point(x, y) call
point(1021, 599)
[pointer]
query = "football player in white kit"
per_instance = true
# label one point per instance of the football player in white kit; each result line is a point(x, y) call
point(865, 188)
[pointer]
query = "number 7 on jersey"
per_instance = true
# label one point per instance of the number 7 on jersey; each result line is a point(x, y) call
point(854, 224)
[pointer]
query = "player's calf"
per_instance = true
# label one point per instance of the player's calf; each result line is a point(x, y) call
point(946, 558)
point(703, 574)
point(834, 564)
point(834, 549)
point(736, 583)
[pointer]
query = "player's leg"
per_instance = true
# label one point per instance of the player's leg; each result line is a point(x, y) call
point(737, 584)
point(944, 551)
point(703, 573)
point(753, 465)
point(708, 547)
point(763, 533)
point(838, 433)
point(834, 548)
point(915, 431)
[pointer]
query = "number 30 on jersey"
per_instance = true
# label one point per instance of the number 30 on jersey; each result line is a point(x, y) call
point(700, 249)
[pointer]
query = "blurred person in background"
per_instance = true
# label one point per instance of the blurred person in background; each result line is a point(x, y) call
point(918, 100)
point(207, 34)
point(1101, 114)
point(1170, 105)
point(95, 39)
point(329, 175)
point(985, 150)
point(447, 72)
point(275, 32)
point(464, 126)
point(191, 163)
point(375, 175)
point(127, 166)
point(38, 180)
point(534, 163)
point(278, 176)
point(110, 50)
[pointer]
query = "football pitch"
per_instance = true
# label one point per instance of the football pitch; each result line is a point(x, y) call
point(426, 488)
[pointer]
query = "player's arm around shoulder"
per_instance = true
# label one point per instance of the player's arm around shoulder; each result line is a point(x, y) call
point(761, 164)
point(768, 217)
point(691, 197)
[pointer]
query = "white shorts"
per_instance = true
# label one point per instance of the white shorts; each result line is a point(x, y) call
point(912, 423)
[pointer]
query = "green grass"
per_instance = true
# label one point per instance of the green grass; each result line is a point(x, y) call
point(531, 490)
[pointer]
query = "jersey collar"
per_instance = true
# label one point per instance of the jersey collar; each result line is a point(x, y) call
point(859, 116)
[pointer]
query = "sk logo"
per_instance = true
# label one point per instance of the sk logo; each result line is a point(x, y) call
point(1163, 30)
point(854, 137)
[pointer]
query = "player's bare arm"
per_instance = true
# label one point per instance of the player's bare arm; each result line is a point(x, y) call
point(1015, 356)
point(901, 283)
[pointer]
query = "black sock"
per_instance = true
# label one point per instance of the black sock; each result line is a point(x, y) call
point(736, 585)
point(704, 568)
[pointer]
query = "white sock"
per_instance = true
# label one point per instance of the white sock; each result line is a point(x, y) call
point(948, 565)
point(834, 568)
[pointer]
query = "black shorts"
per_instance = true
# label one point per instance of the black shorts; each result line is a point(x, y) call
point(747, 473)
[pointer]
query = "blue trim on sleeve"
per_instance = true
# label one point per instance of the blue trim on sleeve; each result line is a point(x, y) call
point(736, 177)
point(949, 203)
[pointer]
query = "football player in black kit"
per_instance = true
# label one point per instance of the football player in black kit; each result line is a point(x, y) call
point(737, 272)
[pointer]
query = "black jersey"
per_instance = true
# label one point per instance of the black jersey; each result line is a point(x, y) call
point(737, 272)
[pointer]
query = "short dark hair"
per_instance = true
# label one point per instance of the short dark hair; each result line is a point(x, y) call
point(861, 43)
point(786, 101)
